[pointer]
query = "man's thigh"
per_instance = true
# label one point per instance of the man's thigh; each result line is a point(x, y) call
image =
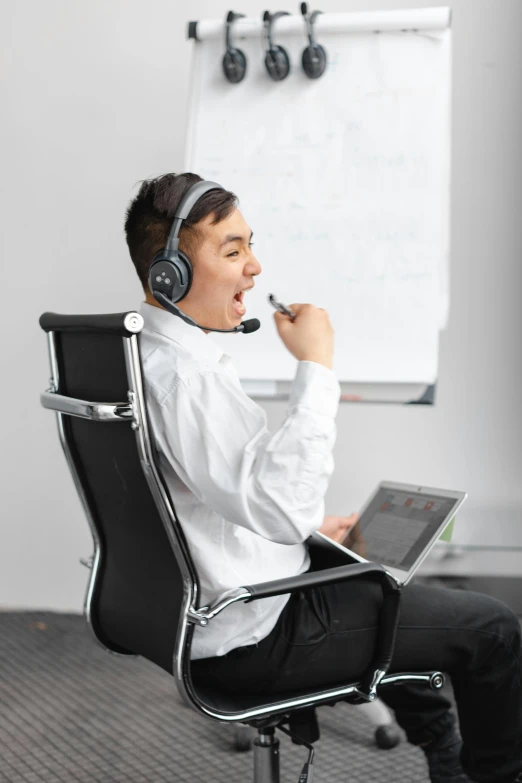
point(329, 636)
point(436, 624)
point(443, 628)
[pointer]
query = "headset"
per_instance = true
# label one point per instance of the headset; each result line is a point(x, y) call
point(234, 60)
point(277, 61)
point(314, 56)
point(171, 271)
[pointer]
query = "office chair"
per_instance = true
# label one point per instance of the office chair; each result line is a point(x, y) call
point(143, 593)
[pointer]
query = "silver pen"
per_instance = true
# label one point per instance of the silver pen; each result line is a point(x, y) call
point(281, 307)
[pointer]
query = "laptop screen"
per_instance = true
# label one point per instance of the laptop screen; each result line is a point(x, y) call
point(398, 525)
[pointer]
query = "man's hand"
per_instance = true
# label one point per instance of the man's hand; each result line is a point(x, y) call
point(337, 528)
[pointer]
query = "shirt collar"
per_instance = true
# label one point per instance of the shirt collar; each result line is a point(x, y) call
point(190, 337)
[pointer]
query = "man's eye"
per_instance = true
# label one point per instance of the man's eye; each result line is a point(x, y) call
point(235, 252)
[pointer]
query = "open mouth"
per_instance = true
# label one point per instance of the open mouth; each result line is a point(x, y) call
point(238, 305)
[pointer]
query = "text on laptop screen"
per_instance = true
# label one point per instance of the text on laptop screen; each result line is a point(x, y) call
point(397, 525)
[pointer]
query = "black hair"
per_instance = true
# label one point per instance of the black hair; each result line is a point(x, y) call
point(150, 215)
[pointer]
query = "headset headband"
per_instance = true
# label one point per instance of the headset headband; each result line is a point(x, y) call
point(192, 195)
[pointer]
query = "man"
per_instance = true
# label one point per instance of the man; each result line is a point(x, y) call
point(248, 499)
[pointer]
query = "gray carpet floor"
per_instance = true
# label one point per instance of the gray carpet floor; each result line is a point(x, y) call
point(72, 713)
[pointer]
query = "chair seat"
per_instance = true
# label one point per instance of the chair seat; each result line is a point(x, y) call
point(226, 703)
point(231, 704)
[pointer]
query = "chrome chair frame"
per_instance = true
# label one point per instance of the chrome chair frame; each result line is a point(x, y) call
point(266, 716)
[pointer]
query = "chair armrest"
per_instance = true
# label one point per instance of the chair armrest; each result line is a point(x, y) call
point(311, 579)
point(290, 584)
point(388, 619)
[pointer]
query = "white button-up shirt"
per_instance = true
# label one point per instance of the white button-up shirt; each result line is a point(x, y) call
point(247, 499)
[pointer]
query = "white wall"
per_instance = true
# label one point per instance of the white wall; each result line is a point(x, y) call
point(94, 99)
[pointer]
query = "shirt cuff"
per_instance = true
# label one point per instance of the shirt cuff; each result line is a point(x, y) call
point(317, 388)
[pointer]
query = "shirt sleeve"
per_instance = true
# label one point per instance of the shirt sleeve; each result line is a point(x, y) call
point(216, 438)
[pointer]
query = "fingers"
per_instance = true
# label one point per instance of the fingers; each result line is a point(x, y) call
point(350, 521)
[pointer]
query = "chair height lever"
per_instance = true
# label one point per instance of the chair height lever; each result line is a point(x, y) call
point(307, 773)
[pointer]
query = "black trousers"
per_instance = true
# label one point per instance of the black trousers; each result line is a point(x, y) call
point(326, 636)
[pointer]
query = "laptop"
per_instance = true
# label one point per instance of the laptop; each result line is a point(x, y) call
point(399, 525)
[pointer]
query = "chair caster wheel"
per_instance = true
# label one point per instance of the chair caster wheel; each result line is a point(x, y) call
point(242, 738)
point(387, 737)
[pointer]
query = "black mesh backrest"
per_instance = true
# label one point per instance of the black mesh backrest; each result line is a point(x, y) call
point(137, 600)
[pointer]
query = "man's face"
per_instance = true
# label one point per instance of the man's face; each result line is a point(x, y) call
point(224, 265)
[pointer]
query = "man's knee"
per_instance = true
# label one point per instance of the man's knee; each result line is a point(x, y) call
point(502, 624)
point(510, 623)
point(503, 616)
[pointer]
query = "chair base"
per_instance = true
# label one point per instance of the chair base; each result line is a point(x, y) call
point(266, 757)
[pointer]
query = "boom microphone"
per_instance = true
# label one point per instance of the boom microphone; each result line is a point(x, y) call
point(252, 325)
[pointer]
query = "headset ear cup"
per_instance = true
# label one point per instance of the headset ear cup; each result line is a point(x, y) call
point(158, 257)
point(153, 268)
point(314, 61)
point(171, 275)
point(277, 63)
point(234, 65)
